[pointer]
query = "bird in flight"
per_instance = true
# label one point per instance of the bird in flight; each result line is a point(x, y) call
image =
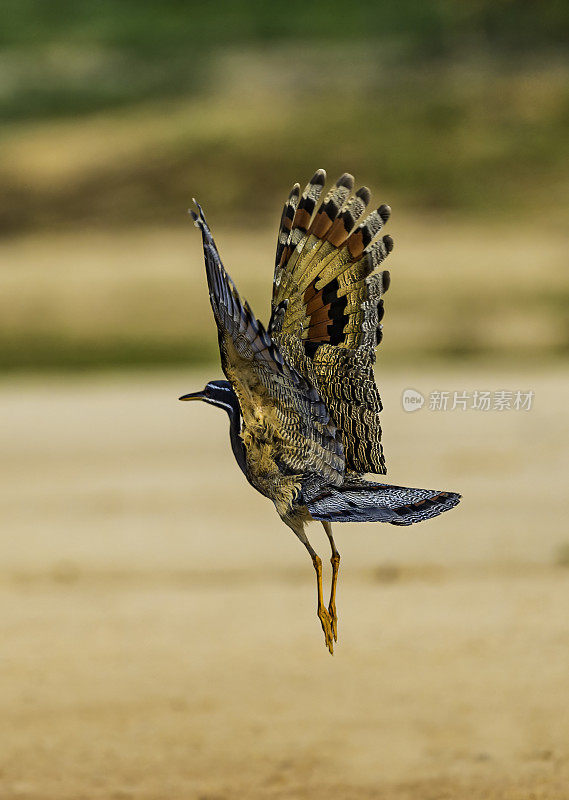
point(303, 405)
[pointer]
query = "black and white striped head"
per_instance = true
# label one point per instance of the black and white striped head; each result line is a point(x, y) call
point(217, 393)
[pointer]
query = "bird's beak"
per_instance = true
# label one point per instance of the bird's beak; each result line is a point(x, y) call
point(193, 396)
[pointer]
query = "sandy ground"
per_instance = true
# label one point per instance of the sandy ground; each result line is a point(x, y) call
point(158, 629)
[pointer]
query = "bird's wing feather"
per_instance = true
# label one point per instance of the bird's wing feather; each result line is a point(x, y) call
point(271, 392)
point(327, 294)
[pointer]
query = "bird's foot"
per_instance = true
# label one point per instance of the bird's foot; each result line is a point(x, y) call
point(333, 619)
point(335, 561)
point(326, 622)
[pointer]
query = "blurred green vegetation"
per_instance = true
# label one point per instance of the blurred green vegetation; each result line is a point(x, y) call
point(449, 105)
point(116, 112)
point(75, 56)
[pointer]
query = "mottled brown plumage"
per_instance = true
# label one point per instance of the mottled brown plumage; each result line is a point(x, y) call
point(301, 396)
point(332, 304)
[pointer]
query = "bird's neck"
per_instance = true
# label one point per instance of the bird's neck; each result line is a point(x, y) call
point(236, 441)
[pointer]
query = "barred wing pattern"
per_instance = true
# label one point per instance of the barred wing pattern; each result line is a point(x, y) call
point(277, 403)
point(328, 295)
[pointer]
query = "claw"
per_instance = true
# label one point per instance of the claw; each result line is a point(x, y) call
point(333, 620)
point(327, 627)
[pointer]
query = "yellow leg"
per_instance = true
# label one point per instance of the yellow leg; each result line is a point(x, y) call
point(335, 561)
point(323, 614)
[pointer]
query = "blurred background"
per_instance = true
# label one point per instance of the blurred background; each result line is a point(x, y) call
point(159, 636)
point(117, 113)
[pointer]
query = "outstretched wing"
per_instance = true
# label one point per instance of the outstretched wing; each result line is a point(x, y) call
point(272, 394)
point(327, 294)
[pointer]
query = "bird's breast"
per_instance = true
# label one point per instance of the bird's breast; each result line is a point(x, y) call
point(265, 469)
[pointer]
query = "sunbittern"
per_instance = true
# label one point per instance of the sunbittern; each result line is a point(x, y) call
point(301, 397)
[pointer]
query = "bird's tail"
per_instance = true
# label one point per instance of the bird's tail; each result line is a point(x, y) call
point(363, 501)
